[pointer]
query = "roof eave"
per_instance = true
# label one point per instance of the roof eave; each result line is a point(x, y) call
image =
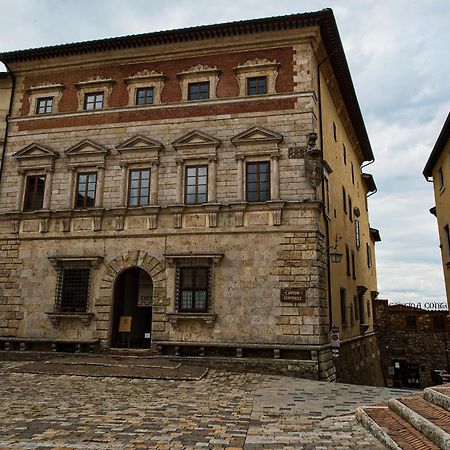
point(442, 139)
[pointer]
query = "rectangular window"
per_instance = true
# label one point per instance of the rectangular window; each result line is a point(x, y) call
point(369, 255)
point(447, 238)
point(362, 315)
point(93, 101)
point(144, 96)
point(256, 85)
point(440, 178)
point(198, 91)
point(344, 200)
point(353, 175)
point(44, 105)
point(357, 234)
point(352, 317)
point(327, 195)
point(439, 323)
point(350, 209)
point(334, 132)
point(196, 187)
point(344, 151)
point(343, 298)
point(355, 302)
point(86, 187)
point(258, 181)
point(353, 265)
point(347, 260)
point(411, 323)
point(193, 291)
point(72, 289)
point(139, 187)
point(34, 193)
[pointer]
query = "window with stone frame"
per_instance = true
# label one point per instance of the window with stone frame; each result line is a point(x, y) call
point(34, 192)
point(86, 190)
point(196, 184)
point(72, 287)
point(256, 85)
point(411, 323)
point(93, 100)
point(369, 256)
point(447, 241)
point(343, 299)
point(258, 181)
point(144, 96)
point(198, 91)
point(44, 105)
point(139, 187)
point(193, 288)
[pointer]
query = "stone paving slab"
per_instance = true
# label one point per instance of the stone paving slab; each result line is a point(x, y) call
point(219, 411)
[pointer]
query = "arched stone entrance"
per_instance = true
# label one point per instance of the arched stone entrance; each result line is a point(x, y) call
point(134, 259)
point(132, 309)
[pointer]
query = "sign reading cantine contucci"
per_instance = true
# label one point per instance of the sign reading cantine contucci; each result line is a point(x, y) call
point(292, 295)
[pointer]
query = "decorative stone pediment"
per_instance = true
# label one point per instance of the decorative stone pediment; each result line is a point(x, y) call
point(257, 135)
point(260, 63)
point(87, 152)
point(203, 69)
point(258, 67)
point(45, 87)
point(139, 148)
point(195, 139)
point(35, 156)
point(145, 75)
point(95, 80)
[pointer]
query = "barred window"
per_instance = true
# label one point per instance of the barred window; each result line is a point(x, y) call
point(193, 289)
point(72, 291)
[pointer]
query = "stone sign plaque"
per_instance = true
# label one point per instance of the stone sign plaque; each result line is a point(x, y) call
point(292, 295)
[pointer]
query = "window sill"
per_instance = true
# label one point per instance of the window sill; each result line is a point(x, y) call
point(56, 317)
point(175, 318)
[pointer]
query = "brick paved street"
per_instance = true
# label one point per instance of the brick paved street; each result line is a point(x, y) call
point(220, 411)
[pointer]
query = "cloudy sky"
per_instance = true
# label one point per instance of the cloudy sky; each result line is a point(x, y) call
point(398, 53)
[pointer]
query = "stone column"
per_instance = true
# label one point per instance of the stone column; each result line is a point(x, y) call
point(180, 181)
point(123, 185)
point(100, 186)
point(275, 178)
point(20, 188)
point(212, 182)
point(154, 181)
point(240, 179)
point(48, 188)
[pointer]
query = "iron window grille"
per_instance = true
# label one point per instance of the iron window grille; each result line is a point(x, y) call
point(198, 91)
point(34, 193)
point(196, 186)
point(44, 105)
point(256, 85)
point(193, 287)
point(258, 181)
point(139, 187)
point(357, 235)
point(93, 101)
point(144, 96)
point(86, 188)
point(72, 287)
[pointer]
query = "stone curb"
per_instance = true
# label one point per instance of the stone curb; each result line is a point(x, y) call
point(424, 426)
point(438, 398)
point(370, 425)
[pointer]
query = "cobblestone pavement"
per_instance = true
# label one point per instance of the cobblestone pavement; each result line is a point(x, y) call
point(220, 411)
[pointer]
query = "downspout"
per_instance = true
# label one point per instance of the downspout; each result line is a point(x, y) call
point(7, 118)
point(327, 227)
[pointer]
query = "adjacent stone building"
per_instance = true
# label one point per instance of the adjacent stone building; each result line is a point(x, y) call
point(438, 169)
point(413, 344)
point(187, 190)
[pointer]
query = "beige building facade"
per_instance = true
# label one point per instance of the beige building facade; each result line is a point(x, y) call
point(437, 170)
point(182, 191)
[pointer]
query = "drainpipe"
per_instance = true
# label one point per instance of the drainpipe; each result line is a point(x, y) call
point(8, 116)
point(327, 227)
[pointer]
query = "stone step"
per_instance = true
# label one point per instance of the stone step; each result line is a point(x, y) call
point(391, 430)
point(426, 417)
point(439, 395)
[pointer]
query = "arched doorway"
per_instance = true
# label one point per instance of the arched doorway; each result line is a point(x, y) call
point(132, 313)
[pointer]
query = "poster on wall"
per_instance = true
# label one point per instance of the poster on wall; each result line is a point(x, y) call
point(145, 295)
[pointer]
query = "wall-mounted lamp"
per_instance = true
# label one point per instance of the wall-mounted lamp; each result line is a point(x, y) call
point(335, 256)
